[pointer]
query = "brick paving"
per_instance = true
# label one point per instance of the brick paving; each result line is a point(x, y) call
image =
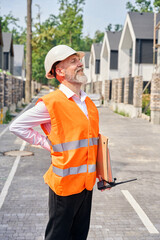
point(135, 152)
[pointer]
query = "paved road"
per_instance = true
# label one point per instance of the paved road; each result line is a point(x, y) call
point(135, 152)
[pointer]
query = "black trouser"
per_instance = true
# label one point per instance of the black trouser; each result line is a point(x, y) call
point(69, 217)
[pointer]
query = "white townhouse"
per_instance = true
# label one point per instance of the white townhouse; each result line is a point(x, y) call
point(109, 57)
point(8, 53)
point(85, 61)
point(19, 66)
point(1, 49)
point(136, 46)
point(94, 66)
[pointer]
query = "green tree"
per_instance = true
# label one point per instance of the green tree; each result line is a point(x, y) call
point(98, 36)
point(86, 43)
point(109, 27)
point(19, 37)
point(66, 28)
point(10, 24)
point(140, 6)
point(8, 21)
point(42, 41)
point(118, 27)
point(70, 25)
point(54, 82)
point(156, 4)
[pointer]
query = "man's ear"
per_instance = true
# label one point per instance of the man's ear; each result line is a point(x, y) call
point(60, 72)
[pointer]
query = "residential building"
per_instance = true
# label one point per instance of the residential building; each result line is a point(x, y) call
point(8, 54)
point(85, 61)
point(1, 49)
point(136, 46)
point(19, 67)
point(109, 57)
point(94, 66)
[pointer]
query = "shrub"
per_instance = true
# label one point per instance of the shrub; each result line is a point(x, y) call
point(145, 103)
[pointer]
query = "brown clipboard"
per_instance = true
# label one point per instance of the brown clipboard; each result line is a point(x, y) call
point(103, 165)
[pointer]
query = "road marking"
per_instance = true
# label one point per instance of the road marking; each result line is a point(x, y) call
point(10, 176)
point(4, 131)
point(18, 141)
point(145, 220)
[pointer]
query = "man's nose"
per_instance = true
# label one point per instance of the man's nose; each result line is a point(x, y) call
point(80, 64)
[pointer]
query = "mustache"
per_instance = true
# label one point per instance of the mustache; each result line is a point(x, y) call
point(78, 69)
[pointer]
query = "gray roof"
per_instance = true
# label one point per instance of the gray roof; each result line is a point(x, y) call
point(97, 48)
point(18, 54)
point(86, 59)
point(7, 42)
point(143, 24)
point(114, 38)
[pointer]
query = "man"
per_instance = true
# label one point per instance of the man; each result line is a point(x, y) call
point(70, 121)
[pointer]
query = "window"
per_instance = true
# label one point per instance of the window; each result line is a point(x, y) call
point(114, 60)
point(144, 51)
point(97, 67)
point(5, 61)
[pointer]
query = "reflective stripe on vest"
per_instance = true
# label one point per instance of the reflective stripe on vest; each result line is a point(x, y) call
point(74, 145)
point(74, 170)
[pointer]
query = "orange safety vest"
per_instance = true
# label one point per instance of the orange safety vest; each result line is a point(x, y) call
point(74, 142)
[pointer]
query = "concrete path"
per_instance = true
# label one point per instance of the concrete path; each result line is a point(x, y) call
point(127, 212)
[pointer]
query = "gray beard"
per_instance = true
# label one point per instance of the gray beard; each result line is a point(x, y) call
point(77, 79)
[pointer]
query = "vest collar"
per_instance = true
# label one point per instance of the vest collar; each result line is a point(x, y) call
point(69, 93)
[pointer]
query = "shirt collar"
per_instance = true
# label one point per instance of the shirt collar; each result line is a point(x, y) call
point(69, 93)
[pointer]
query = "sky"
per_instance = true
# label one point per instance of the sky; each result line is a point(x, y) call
point(97, 14)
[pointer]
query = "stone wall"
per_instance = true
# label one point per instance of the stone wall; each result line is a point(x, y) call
point(155, 99)
point(97, 87)
point(137, 95)
point(107, 91)
point(1, 91)
point(114, 90)
point(119, 97)
point(125, 91)
point(137, 92)
point(8, 90)
point(12, 92)
point(87, 88)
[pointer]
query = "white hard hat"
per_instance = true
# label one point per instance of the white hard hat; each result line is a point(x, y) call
point(56, 54)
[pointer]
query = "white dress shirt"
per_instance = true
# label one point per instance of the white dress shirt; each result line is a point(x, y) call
point(24, 124)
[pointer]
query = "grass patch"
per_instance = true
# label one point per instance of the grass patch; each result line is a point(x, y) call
point(18, 110)
point(145, 102)
point(24, 105)
point(8, 117)
point(121, 113)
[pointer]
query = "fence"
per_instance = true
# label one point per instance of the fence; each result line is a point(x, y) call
point(126, 95)
point(155, 99)
point(123, 94)
point(12, 92)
